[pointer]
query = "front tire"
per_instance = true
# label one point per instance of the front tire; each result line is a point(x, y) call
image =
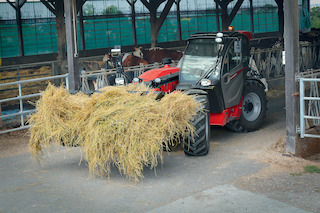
point(199, 144)
point(254, 108)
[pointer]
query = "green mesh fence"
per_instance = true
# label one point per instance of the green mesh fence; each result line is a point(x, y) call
point(40, 37)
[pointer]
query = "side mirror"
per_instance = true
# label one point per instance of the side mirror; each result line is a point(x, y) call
point(237, 46)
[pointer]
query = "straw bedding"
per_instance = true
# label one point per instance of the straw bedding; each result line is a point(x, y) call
point(114, 127)
point(25, 74)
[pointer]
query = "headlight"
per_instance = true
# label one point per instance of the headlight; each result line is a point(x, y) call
point(136, 80)
point(205, 82)
point(157, 80)
point(119, 81)
point(218, 40)
point(219, 35)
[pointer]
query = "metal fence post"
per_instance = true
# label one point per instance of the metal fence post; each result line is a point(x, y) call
point(21, 104)
point(67, 83)
point(302, 110)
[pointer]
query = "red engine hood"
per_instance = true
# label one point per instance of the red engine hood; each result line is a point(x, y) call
point(159, 72)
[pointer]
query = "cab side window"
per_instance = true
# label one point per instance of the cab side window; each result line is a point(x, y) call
point(232, 59)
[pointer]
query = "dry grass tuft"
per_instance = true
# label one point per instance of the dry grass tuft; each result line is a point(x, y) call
point(115, 127)
point(55, 120)
point(25, 74)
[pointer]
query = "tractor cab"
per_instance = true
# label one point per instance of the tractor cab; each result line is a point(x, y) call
point(216, 63)
point(208, 56)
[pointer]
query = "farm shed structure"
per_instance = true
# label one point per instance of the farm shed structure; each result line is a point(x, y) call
point(69, 15)
point(36, 27)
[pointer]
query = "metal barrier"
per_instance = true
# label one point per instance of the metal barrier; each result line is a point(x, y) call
point(20, 67)
point(309, 56)
point(311, 117)
point(101, 78)
point(20, 97)
point(269, 61)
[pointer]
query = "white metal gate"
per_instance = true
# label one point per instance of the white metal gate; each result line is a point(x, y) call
point(309, 102)
point(20, 97)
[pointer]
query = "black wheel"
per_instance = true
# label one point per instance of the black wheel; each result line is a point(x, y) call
point(200, 143)
point(254, 108)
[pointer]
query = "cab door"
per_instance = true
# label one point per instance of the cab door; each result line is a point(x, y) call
point(232, 73)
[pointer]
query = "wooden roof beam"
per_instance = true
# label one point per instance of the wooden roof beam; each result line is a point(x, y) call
point(49, 6)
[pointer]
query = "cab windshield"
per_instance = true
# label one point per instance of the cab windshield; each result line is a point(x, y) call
point(199, 57)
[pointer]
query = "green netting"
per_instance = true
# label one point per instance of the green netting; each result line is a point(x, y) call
point(143, 30)
point(101, 32)
point(9, 40)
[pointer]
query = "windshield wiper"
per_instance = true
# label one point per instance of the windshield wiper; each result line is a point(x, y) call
point(208, 73)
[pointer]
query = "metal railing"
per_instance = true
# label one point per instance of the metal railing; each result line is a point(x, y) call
point(309, 105)
point(101, 77)
point(20, 97)
point(309, 56)
point(17, 69)
point(269, 61)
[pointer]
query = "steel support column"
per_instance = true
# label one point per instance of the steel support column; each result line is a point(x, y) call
point(217, 17)
point(291, 46)
point(133, 22)
point(18, 5)
point(20, 36)
point(251, 17)
point(72, 44)
point(83, 42)
point(177, 2)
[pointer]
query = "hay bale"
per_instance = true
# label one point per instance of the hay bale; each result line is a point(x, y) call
point(116, 127)
point(54, 120)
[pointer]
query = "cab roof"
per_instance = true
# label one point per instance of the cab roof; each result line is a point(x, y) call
point(225, 34)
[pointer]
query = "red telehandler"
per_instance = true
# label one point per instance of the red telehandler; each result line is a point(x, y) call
point(215, 70)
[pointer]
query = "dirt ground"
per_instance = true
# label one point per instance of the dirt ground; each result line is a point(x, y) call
point(257, 161)
point(272, 181)
point(14, 143)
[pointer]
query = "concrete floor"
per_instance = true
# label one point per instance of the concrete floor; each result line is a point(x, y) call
point(212, 183)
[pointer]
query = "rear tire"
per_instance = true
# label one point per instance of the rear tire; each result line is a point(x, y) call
point(254, 108)
point(199, 145)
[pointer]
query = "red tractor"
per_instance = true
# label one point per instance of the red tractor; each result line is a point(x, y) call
point(215, 69)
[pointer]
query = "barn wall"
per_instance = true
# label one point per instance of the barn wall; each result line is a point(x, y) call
point(108, 23)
